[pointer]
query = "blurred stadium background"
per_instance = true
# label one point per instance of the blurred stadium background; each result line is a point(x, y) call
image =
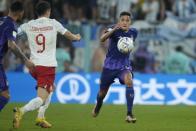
point(164, 61)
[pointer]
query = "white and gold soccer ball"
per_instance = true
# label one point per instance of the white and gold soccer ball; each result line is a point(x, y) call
point(125, 44)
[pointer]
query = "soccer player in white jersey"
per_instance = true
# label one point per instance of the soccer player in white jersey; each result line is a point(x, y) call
point(42, 34)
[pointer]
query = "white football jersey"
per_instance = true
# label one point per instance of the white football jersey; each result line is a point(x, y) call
point(42, 35)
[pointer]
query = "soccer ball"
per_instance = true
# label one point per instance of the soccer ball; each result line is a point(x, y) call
point(125, 45)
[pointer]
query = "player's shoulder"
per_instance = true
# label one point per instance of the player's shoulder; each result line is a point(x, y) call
point(27, 25)
point(41, 20)
point(2, 19)
point(30, 22)
point(55, 21)
point(134, 30)
point(8, 21)
point(10, 24)
point(50, 20)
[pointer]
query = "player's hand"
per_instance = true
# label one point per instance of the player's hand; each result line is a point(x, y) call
point(77, 37)
point(117, 26)
point(30, 65)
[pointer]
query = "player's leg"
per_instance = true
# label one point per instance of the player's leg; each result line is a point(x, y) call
point(41, 121)
point(107, 78)
point(34, 104)
point(42, 109)
point(48, 81)
point(126, 78)
point(100, 96)
point(4, 92)
point(4, 98)
point(45, 78)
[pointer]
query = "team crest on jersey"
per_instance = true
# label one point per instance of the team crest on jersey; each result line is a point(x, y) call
point(14, 33)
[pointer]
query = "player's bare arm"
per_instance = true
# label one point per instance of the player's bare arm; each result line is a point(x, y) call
point(106, 35)
point(71, 36)
point(16, 50)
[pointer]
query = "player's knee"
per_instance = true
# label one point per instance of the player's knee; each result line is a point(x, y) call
point(42, 93)
point(6, 95)
point(43, 98)
point(129, 83)
point(102, 93)
point(128, 80)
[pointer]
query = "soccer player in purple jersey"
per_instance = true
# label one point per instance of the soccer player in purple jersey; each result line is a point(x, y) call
point(8, 33)
point(117, 64)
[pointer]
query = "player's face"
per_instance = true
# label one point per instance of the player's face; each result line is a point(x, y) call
point(125, 22)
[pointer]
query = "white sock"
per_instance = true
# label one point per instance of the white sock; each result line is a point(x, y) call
point(32, 105)
point(43, 108)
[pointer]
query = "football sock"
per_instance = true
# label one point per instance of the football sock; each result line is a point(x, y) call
point(99, 102)
point(130, 98)
point(32, 105)
point(43, 108)
point(3, 102)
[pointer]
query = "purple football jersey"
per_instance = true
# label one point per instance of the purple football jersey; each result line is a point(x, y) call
point(8, 31)
point(114, 58)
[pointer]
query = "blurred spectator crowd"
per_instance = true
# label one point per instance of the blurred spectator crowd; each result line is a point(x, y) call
point(166, 41)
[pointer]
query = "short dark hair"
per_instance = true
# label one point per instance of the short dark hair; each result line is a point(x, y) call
point(16, 6)
point(42, 7)
point(125, 13)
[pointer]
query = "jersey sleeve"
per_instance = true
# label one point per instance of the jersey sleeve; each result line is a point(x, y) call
point(11, 33)
point(22, 28)
point(59, 27)
point(109, 29)
point(135, 32)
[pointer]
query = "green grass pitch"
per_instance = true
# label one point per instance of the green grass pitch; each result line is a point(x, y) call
point(73, 117)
